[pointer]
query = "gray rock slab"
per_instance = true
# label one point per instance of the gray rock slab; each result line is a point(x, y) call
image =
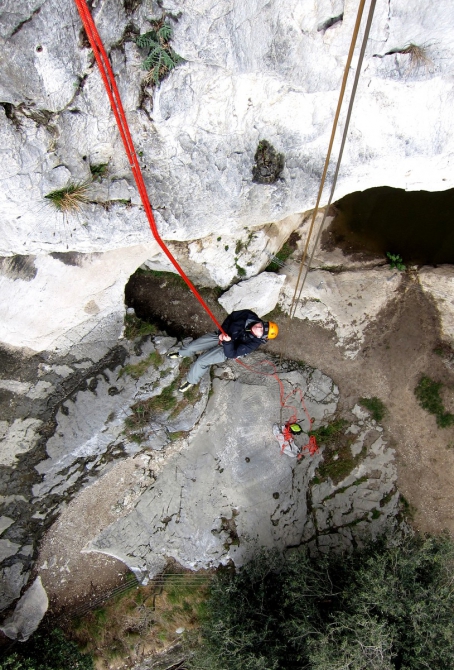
point(5, 522)
point(20, 437)
point(12, 579)
point(7, 549)
point(92, 423)
point(28, 613)
point(231, 490)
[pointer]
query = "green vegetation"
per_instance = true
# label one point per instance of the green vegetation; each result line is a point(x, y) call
point(338, 460)
point(47, 651)
point(268, 164)
point(375, 407)
point(161, 58)
point(172, 278)
point(142, 617)
point(396, 262)
point(69, 198)
point(99, 170)
point(240, 270)
point(138, 369)
point(279, 258)
point(386, 607)
point(428, 395)
point(135, 327)
point(169, 400)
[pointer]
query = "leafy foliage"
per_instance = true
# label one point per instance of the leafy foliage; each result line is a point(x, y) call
point(47, 651)
point(99, 170)
point(428, 394)
point(396, 262)
point(268, 163)
point(383, 608)
point(161, 57)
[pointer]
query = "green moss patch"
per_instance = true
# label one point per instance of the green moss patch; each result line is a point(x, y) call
point(135, 327)
point(338, 460)
point(138, 369)
point(375, 406)
point(428, 395)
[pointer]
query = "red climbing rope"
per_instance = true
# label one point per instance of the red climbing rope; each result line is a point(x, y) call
point(108, 78)
point(311, 447)
point(117, 108)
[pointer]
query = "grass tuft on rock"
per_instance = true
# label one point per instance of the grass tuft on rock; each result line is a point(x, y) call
point(69, 198)
point(135, 327)
point(338, 460)
point(138, 369)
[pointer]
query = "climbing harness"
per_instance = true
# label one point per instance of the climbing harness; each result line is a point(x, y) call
point(117, 108)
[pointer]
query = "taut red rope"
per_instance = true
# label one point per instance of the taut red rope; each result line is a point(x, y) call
point(117, 108)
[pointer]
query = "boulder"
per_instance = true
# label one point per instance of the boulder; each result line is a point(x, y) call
point(27, 614)
point(261, 294)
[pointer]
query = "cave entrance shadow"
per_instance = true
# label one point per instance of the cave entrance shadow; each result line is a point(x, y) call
point(417, 225)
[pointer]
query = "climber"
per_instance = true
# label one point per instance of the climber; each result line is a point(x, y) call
point(243, 333)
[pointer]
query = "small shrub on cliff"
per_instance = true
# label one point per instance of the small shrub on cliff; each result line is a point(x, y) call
point(386, 607)
point(428, 394)
point(161, 58)
point(47, 651)
point(268, 164)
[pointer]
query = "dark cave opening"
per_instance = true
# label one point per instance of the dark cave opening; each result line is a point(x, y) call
point(417, 225)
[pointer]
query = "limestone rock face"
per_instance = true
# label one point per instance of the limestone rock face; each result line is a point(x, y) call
point(260, 294)
point(343, 301)
point(230, 490)
point(260, 71)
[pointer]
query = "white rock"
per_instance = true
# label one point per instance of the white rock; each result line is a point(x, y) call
point(345, 302)
point(20, 437)
point(28, 613)
point(7, 549)
point(15, 386)
point(253, 71)
point(68, 303)
point(5, 522)
point(260, 294)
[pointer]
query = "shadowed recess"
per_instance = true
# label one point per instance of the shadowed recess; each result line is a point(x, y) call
point(417, 225)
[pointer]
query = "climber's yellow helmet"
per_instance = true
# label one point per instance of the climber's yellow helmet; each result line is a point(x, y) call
point(273, 330)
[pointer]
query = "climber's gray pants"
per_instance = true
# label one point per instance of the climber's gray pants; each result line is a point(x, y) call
point(214, 354)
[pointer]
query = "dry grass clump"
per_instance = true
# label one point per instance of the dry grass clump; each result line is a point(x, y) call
point(144, 620)
point(69, 198)
point(419, 55)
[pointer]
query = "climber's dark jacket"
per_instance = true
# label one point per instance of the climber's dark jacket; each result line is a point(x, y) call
point(238, 325)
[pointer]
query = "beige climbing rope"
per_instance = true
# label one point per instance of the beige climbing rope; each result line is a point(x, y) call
point(333, 132)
